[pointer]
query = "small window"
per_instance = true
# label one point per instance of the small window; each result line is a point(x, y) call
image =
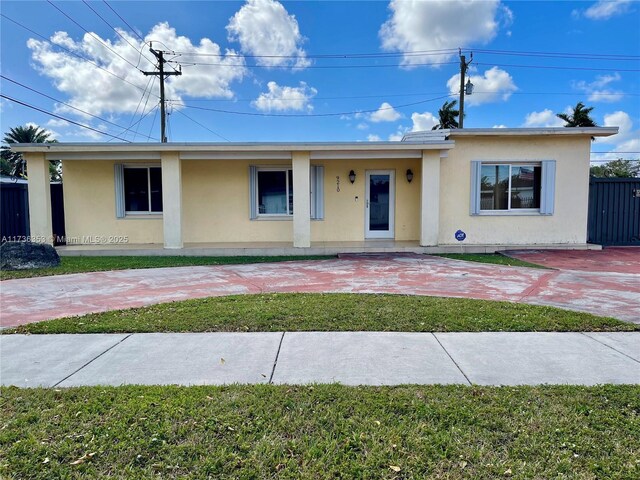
point(275, 192)
point(142, 189)
point(510, 187)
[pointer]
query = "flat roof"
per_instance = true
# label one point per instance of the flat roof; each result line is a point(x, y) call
point(507, 132)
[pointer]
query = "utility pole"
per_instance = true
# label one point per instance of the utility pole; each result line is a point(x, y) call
point(159, 54)
point(463, 70)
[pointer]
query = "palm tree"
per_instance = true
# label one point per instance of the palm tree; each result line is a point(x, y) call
point(13, 163)
point(579, 117)
point(447, 116)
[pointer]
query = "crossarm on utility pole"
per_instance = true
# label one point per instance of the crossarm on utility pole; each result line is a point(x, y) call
point(159, 54)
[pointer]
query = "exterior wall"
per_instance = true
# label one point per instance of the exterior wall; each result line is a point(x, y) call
point(215, 198)
point(344, 218)
point(89, 198)
point(216, 202)
point(568, 224)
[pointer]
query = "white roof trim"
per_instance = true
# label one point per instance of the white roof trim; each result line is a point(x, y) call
point(498, 132)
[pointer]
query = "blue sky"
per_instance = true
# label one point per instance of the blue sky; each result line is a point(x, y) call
point(273, 64)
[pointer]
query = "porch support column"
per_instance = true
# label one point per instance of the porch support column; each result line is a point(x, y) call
point(301, 200)
point(430, 198)
point(172, 199)
point(39, 198)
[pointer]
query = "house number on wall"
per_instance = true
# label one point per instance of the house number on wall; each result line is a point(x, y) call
point(337, 183)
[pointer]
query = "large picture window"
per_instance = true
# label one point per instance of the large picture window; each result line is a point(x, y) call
point(526, 188)
point(510, 187)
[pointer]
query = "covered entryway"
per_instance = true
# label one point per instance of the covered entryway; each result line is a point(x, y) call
point(380, 204)
point(614, 211)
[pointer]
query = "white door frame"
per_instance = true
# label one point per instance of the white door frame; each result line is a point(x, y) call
point(392, 205)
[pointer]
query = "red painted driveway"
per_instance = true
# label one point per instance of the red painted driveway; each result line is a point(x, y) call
point(603, 293)
point(610, 259)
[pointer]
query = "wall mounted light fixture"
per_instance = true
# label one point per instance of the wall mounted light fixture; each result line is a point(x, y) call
point(352, 176)
point(409, 175)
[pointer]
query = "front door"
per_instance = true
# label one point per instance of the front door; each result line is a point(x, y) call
point(380, 204)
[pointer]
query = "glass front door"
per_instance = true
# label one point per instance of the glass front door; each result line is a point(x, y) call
point(380, 204)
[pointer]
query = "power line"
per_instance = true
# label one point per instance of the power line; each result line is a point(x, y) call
point(203, 126)
point(138, 50)
point(63, 103)
point(420, 53)
point(257, 114)
point(125, 22)
point(144, 108)
point(61, 118)
point(395, 65)
point(391, 95)
point(71, 52)
point(93, 35)
point(138, 106)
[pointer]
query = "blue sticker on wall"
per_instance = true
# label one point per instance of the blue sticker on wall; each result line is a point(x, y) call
point(460, 235)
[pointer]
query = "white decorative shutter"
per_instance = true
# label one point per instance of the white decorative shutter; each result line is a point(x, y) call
point(547, 197)
point(476, 174)
point(119, 182)
point(253, 192)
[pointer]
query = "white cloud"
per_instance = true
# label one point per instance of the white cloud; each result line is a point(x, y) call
point(423, 121)
point(500, 126)
point(96, 91)
point(544, 118)
point(53, 135)
point(264, 27)
point(385, 113)
point(443, 24)
point(362, 126)
point(397, 136)
point(495, 85)
point(280, 98)
point(54, 122)
point(626, 140)
point(597, 90)
point(605, 9)
point(373, 138)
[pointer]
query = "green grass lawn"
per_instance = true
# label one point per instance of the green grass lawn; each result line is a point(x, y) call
point(331, 312)
point(489, 258)
point(321, 431)
point(98, 264)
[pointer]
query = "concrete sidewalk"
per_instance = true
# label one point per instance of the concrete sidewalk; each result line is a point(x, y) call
point(353, 358)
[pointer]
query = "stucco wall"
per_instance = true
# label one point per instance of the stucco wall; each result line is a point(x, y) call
point(568, 224)
point(89, 199)
point(345, 216)
point(216, 198)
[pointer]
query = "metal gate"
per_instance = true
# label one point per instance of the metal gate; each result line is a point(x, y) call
point(14, 212)
point(614, 211)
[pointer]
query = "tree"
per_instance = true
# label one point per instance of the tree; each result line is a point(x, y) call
point(579, 117)
point(447, 116)
point(617, 168)
point(13, 163)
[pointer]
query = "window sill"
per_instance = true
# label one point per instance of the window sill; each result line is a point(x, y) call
point(277, 218)
point(512, 213)
point(142, 216)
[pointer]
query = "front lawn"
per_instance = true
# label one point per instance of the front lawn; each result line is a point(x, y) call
point(99, 264)
point(321, 431)
point(331, 312)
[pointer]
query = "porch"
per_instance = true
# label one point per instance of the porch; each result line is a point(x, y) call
point(271, 249)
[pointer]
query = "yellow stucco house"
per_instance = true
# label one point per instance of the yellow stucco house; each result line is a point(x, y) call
point(461, 190)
